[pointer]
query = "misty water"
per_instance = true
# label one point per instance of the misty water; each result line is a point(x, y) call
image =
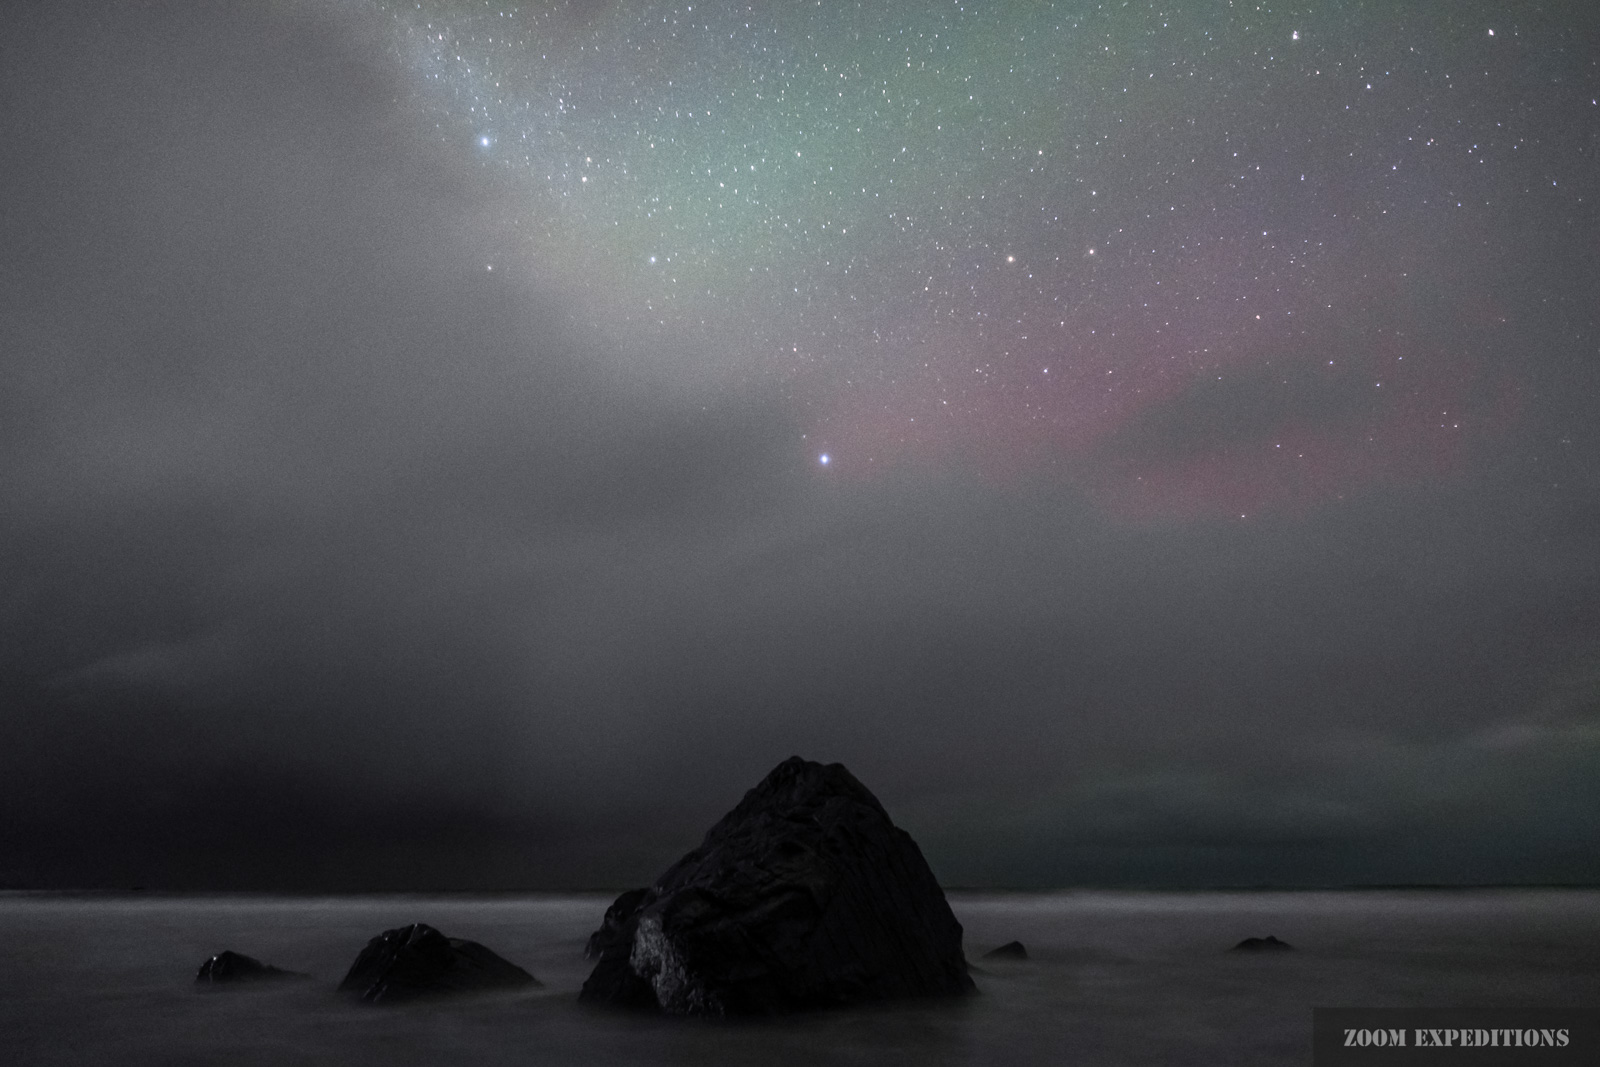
point(1114, 978)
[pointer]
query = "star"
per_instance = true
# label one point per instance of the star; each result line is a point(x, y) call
point(838, 182)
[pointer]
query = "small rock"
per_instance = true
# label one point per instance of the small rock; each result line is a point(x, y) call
point(227, 967)
point(417, 960)
point(1262, 944)
point(1011, 950)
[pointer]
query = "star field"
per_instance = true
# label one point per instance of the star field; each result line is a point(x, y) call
point(1200, 259)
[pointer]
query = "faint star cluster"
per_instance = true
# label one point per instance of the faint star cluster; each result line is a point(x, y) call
point(902, 215)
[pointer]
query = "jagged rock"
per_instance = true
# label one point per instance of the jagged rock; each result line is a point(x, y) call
point(1011, 950)
point(804, 895)
point(417, 960)
point(229, 967)
point(1261, 944)
point(615, 919)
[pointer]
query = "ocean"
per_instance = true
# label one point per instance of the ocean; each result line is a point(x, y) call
point(1115, 977)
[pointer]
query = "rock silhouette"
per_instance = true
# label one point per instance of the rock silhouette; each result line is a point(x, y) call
point(417, 960)
point(1011, 950)
point(1262, 944)
point(804, 895)
point(229, 967)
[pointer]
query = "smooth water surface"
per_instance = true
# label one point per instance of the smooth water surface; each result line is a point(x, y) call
point(1114, 978)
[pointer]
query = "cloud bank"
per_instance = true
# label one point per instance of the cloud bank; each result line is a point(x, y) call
point(334, 559)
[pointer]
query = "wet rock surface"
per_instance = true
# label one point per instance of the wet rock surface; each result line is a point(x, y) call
point(419, 961)
point(616, 918)
point(805, 895)
point(228, 968)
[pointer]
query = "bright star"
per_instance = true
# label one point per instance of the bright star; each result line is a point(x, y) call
point(824, 459)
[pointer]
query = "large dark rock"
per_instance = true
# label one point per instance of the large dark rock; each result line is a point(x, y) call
point(417, 960)
point(231, 967)
point(1262, 944)
point(804, 895)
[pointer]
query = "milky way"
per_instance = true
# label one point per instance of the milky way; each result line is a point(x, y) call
point(1037, 235)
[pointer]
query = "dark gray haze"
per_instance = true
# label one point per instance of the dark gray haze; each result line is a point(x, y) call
point(331, 559)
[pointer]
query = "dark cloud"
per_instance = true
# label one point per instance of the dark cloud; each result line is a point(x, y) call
point(333, 558)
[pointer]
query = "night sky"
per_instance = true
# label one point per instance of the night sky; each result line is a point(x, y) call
point(464, 444)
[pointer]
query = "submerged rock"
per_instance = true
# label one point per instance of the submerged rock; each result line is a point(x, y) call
point(1261, 944)
point(1011, 950)
point(417, 960)
point(228, 967)
point(804, 895)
